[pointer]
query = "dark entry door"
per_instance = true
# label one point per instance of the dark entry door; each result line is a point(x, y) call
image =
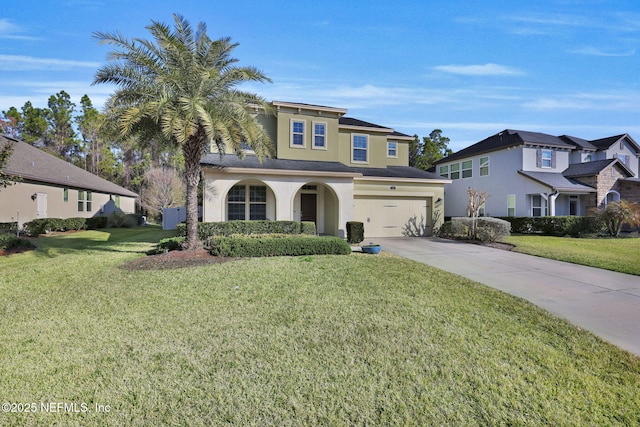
point(308, 207)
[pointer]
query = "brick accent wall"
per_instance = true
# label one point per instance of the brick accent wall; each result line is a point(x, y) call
point(603, 183)
point(630, 190)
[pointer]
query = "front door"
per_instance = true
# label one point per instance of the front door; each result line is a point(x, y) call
point(308, 207)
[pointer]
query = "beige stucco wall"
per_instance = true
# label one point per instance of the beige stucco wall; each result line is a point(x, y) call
point(286, 151)
point(16, 203)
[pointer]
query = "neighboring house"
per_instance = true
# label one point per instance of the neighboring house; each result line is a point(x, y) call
point(328, 169)
point(53, 188)
point(535, 174)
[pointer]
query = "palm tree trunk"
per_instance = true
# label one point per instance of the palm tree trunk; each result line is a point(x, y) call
point(192, 150)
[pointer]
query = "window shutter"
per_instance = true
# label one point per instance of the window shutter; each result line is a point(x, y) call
point(553, 159)
point(539, 158)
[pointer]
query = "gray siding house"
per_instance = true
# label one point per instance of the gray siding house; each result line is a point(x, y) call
point(536, 174)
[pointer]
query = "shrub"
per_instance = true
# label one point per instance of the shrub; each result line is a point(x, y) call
point(168, 244)
point(10, 242)
point(9, 228)
point(207, 230)
point(355, 232)
point(281, 245)
point(74, 224)
point(122, 220)
point(96, 222)
point(488, 229)
point(556, 225)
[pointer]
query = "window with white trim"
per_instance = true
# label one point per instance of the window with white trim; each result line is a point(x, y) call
point(587, 157)
point(359, 148)
point(546, 158)
point(538, 205)
point(89, 200)
point(392, 149)
point(484, 166)
point(65, 195)
point(297, 133)
point(247, 202)
point(444, 171)
point(511, 205)
point(320, 135)
point(467, 169)
point(80, 200)
point(455, 170)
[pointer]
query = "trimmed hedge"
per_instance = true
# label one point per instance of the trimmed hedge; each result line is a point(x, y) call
point(96, 222)
point(280, 245)
point(47, 225)
point(207, 230)
point(488, 229)
point(555, 225)
point(355, 232)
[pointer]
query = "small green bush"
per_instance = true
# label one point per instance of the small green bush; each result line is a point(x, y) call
point(168, 244)
point(122, 220)
point(281, 245)
point(9, 228)
point(10, 242)
point(454, 229)
point(355, 232)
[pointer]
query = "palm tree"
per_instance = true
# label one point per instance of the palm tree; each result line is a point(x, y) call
point(181, 87)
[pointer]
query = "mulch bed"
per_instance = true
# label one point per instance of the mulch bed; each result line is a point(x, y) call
point(175, 259)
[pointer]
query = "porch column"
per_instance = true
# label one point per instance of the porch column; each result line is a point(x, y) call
point(552, 203)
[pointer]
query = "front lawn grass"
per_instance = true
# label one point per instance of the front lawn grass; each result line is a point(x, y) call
point(321, 340)
point(608, 253)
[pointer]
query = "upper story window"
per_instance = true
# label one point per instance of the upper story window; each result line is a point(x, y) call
point(588, 157)
point(546, 159)
point(359, 148)
point(444, 171)
point(484, 166)
point(467, 169)
point(319, 135)
point(297, 133)
point(455, 171)
point(392, 149)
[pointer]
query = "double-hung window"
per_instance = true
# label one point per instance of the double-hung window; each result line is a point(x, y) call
point(65, 195)
point(392, 149)
point(538, 205)
point(511, 205)
point(455, 171)
point(247, 202)
point(484, 166)
point(444, 171)
point(359, 148)
point(467, 169)
point(297, 133)
point(89, 200)
point(320, 135)
point(546, 158)
point(80, 200)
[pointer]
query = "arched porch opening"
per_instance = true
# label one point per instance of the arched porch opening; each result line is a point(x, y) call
point(319, 203)
point(612, 196)
point(250, 199)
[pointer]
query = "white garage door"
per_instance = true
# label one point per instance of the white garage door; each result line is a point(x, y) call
point(393, 217)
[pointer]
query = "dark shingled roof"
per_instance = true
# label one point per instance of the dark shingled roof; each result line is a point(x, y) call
point(33, 164)
point(592, 168)
point(350, 121)
point(252, 162)
point(605, 143)
point(507, 138)
point(557, 181)
point(579, 142)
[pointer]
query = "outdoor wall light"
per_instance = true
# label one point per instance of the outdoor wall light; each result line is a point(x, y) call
point(34, 196)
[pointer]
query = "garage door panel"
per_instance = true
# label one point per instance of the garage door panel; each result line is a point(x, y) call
point(386, 217)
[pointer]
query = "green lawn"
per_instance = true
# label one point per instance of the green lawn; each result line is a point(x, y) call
point(622, 254)
point(323, 340)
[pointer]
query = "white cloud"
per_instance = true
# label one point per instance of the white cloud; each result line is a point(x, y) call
point(479, 70)
point(9, 30)
point(595, 101)
point(594, 51)
point(21, 63)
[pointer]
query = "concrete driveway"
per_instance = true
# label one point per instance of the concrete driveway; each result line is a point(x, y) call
point(603, 302)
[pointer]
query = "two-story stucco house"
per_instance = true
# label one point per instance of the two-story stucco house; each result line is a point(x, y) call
point(329, 169)
point(536, 174)
point(52, 188)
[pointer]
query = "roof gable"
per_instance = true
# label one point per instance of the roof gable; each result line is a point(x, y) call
point(594, 168)
point(33, 164)
point(606, 143)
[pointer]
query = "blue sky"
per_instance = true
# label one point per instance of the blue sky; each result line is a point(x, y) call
point(469, 68)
